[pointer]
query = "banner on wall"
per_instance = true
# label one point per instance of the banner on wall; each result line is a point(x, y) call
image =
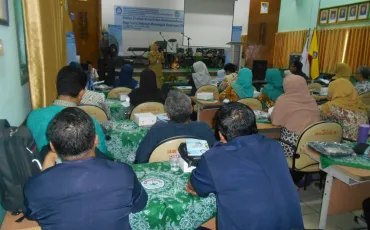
point(236, 33)
point(149, 19)
point(71, 47)
point(116, 32)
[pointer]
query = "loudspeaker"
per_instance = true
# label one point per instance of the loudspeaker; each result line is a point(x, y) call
point(259, 70)
point(188, 61)
point(207, 61)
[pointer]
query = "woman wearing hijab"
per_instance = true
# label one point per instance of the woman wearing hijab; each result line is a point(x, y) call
point(342, 71)
point(126, 78)
point(294, 110)
point(241, 88)
point(344, 107)
point(147, 91)
point(272, 90)
point(156, 59)
point(201, 76)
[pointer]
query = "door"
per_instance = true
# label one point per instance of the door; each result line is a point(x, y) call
point(86, 19)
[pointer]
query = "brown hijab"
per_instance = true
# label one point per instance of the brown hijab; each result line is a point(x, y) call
point(343, 70)
point(296, 109)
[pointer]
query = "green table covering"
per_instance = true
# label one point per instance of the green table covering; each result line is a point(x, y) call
point(168, 86)
point(117, 111)
point(125, 139)
point(358, 161)
point(169, 205)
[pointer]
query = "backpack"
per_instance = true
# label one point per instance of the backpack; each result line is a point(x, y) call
point(19, 160)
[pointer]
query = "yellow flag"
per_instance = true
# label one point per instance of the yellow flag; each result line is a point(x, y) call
point(314, 56)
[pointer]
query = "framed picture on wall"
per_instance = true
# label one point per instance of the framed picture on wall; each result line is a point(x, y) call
point(352, 13)
point(4, 13)
point(363, 11)
point(333, 15)
point(264, 8)
point(342, 15)
point(324, 17)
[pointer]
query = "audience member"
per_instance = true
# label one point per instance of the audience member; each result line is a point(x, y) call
point(83, 192)
point(200, 77)
point(342, 70)
point(344, 107)
point(156, 59)
point(147, 91)
point(362, 76)
point(294, 111)
point(178, 108)
point(296, 69)
point(231, 76)
point(220, 75)
point(126, 78)
point(70, 86)
point(91, 72)
point(241, 88)
point(249, 175)
point(272, 90)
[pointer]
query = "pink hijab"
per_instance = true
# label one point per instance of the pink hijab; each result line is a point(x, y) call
point(296, 109)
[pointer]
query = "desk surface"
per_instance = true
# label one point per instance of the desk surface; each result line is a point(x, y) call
point(355, 173)
point(318, 97)
point(203, 103)
point(266, 126)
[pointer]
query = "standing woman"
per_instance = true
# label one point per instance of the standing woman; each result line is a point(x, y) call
point(272, 90)
point(156, 59)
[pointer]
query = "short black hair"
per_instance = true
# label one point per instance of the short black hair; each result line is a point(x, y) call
point(364, 71)
point(70, 81)
point(230, 67)
point(72, 132)
point(178, 106)
point(298, 64)
point(235, 119)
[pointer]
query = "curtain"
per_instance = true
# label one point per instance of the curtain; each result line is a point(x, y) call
point(46, 23)
point(285, 44)
point(331, 48)
point(358, 47)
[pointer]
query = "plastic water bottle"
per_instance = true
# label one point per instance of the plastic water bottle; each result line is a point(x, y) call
point(174, 162)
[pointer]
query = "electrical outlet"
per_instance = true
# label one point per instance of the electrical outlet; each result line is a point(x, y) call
point(1, 48)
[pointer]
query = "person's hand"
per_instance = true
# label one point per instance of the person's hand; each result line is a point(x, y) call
point(49, 161)
point(190, 190)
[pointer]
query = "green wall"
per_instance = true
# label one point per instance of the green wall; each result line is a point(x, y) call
point(302, 14)
point(15, 98)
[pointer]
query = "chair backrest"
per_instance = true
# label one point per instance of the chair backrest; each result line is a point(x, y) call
point(167, 148)
point(314, 86)
point(321, 131)
point(148, 107)
point(365, 98)
point(209, 88)
point(114, 93)
point(254, 103)
point(95, 112)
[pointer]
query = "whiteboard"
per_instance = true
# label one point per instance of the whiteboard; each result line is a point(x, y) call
point(208, 22)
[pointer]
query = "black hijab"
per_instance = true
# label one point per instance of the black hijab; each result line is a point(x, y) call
point(147, 91)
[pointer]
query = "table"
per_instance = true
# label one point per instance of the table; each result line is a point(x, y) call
point(345, 188)
point(207, 110)
point(168, 86)
point(125, 139)
point(169, 205)
point(117, 111)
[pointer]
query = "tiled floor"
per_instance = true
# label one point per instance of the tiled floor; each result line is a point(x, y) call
point(311, 204)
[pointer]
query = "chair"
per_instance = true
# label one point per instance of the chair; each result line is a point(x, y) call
point(166, 148)
point(209, 88)
point(365, 98)
point(148, 107)
point(254, 103)
point(314, 86)
point(321, 131)
point(114, 93)
point(94, 111)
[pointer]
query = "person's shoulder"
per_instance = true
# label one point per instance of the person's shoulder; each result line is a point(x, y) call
point(116, 166)
point(159, 125)
point(42, 112)
point(200, 124)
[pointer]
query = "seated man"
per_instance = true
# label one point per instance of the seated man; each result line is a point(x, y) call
point(178, 108)
point(249, 175)
point(83, 192)
point(71, 88)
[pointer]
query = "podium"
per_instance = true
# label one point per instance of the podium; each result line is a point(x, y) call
point(236, 53)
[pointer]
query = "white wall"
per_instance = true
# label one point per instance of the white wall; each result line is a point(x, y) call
point(15, 99)
point(133, 38)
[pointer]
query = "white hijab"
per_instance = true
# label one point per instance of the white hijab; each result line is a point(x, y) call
point(201, 76)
